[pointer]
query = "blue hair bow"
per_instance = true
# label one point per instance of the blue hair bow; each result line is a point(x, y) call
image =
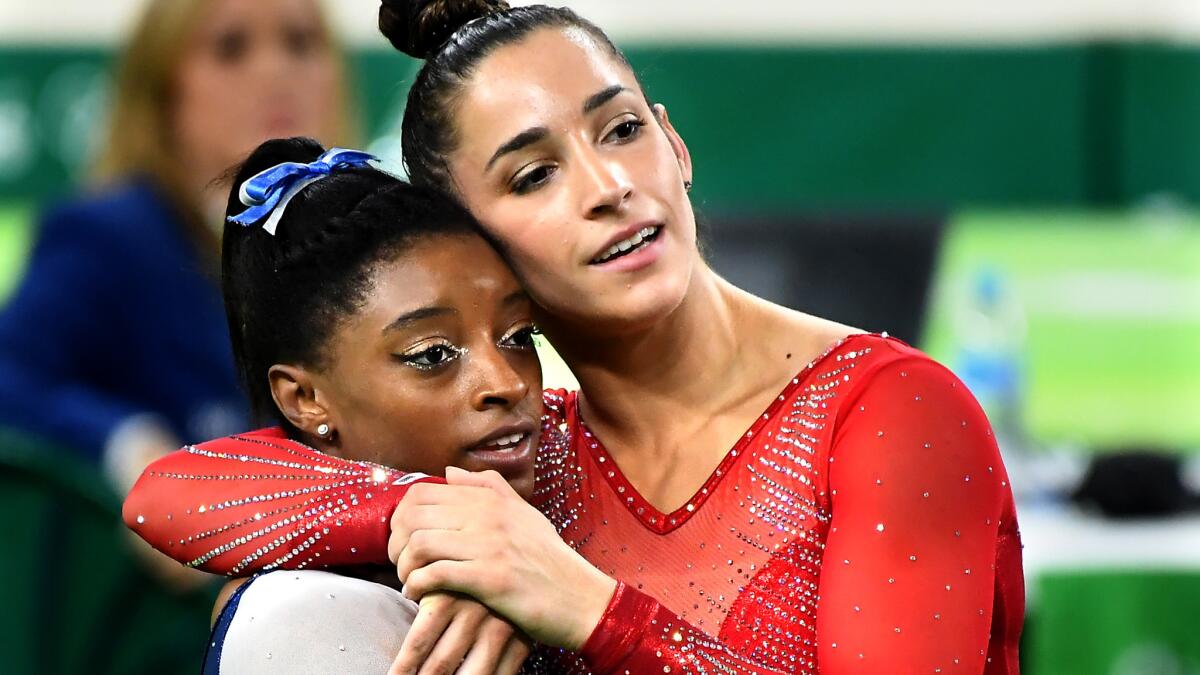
point(267, 193)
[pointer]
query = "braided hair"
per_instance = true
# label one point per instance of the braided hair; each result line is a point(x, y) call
point(286, 293)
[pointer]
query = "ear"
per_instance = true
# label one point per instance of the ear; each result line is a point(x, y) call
point(677, 145)
point(297, 396)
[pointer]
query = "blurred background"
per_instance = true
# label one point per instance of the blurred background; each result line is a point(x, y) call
point(1012, 187)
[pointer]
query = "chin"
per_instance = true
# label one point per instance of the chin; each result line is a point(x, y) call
point(644, 303)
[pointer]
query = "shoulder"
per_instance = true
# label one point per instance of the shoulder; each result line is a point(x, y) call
point(887, 359)
point(881, 367)
point(895, 391)
point(865, 354)
point(847, 363)
point(267, 437)
point(279, 595)
point(314, 622)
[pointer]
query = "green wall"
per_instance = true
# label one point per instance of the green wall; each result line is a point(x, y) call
point(787, 129)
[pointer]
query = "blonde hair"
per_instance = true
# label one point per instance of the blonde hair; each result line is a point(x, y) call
point(140, 137)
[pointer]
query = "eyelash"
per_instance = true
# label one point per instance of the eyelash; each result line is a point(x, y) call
point(637, 123)
point(453, 354)
point(524, 184)
point(529, 330)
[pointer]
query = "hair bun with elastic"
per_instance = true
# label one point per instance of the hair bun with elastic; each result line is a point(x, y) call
point(420, 27)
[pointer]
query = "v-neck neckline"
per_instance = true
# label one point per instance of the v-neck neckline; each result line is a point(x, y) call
point(641, 508)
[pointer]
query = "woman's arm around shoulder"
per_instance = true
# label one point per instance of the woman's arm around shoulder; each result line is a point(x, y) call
point(260, 501)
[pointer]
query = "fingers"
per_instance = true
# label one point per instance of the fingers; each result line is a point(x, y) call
point(437, 507)
point(492, 480)
point(441, 575)
point(515, 653)
point(458, 639)
point(408, 518)
point(433, 616)
point(436, 493)
point(427, 546)
point(496, 650)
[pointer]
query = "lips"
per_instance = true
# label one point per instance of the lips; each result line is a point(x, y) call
point(507, 449)
point(502, 443)
point(629, 240)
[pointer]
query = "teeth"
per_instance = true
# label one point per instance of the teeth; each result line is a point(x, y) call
point(506, 441)
point(622, 246)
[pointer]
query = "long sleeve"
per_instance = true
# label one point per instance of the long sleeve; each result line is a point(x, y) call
point(918, 497)
point(260, 501)
point(56, 318)
point(637, 634)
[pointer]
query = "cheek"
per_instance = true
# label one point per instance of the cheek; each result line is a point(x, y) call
point(541, 252)
point(400, 424)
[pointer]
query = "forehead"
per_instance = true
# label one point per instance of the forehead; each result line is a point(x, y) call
point(460, 271)
point(535, 81)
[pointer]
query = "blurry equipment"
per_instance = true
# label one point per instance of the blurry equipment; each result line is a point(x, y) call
point(1133, 484)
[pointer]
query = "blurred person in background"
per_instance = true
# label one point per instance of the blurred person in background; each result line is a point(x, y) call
point(120, 303)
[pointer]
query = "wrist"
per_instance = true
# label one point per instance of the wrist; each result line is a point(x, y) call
point(595, 603)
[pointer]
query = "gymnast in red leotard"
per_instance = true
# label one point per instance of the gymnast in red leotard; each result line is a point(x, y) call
point(736, 487)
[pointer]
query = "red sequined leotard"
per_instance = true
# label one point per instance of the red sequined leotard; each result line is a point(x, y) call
point(863, 524)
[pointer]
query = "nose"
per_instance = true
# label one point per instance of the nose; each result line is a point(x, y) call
point(607, 187)
point(500, 385)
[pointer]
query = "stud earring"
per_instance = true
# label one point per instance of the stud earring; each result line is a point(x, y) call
point(323, 430)
point(687, 186)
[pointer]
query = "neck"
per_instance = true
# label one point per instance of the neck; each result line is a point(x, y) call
point(653, 373)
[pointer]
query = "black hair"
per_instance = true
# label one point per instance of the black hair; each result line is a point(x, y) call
point(286, 293)
point(454, 36)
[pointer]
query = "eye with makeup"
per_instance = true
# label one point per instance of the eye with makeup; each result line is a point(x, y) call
point(431, 355)
point(626, 130)
point(520, 337)
point(529, 180)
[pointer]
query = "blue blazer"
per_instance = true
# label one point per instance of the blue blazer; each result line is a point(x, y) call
point(116, 317)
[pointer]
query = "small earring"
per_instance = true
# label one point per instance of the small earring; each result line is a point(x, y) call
point(687, 186)
point(323, 430)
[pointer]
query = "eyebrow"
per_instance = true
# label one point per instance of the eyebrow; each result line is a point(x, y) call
point(513, 298)
point(525, 138)
point(601, 97)
point(534, 134)
point(409, 318)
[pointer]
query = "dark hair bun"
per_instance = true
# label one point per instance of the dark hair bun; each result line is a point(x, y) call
point(419, 27)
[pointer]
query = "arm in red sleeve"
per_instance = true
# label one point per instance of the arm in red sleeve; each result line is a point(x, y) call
point(637, 634)
point(917, 491)
point(260, 501)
